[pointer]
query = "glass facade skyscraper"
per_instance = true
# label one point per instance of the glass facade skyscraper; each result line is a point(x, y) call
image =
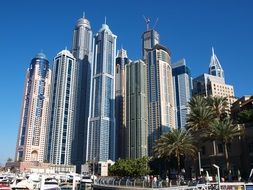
point(136, 110)
point(62, 101)
point(120, 103)
point(101, 128)
point(82, 51)
point(182, 91)
point(33, 122)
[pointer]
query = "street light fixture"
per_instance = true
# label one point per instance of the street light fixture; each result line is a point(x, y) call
point(218, 173)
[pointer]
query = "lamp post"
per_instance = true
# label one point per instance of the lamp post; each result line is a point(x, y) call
point(200, 169)
point(93, 166)
point(218, 173)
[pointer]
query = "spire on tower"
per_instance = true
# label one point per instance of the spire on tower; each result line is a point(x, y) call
point(215, 68)
point(83, 14)
point(105, 19)
point(212, 51)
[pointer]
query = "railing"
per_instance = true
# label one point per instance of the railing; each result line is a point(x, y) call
point(127, 183)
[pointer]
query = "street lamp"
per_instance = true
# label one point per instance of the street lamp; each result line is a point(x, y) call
point(93, 166)
point(218, 173)
point(200, 168)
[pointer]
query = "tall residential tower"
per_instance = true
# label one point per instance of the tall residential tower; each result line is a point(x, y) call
point(101, 127)
point(160, 94)
point(120, 103)
point(34, 120)
point(136, 110)
point(82, 51)
point(62, 102)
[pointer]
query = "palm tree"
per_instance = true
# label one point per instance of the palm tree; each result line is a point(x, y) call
point(200, 116)
point(219, 105)
point(176, 143)
point(225, 131)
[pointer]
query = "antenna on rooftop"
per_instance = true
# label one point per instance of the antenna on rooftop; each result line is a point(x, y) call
point(147, 20)
point(105, 19)
point(83, 14)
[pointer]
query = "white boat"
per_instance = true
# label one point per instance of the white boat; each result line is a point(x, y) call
point(51, 184)
point(86, 179)
point(24, 185)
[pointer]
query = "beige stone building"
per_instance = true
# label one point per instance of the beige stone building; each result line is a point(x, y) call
point(34, 113)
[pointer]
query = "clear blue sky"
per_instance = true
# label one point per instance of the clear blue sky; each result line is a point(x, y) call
point(189, 28)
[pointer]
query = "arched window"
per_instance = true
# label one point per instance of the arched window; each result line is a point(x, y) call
point(34, 155)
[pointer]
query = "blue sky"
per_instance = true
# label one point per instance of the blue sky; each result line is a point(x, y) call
point(189, 28)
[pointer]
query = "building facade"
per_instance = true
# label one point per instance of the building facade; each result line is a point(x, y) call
point(182, 91)
point(160, 94)
point(136, 110)
point(34, 121)
point(213, 84)
point(149, 39)
point(82, 51)
point(120, 103)
point(101, 127)
point(62, 102)
point(215, 68)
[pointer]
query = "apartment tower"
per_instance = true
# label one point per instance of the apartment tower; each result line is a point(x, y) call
point(35, 106)
point(62, 101)
point(101, 127)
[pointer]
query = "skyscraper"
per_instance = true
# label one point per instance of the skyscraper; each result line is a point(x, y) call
point(62, 102)
point(213, 84)
point(182, 91)
point(120, 103)
point(34, 121)
point(82, 51)
point(136, 110)
point(101, 128)
point(160, 93)
point(215, 68)
point(149, 39)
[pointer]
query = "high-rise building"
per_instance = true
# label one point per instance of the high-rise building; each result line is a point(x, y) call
point(82, 51)
point(62, 102)
point(160, 94)
point(213, 84)
point(136, 110)
point(182, 91)
point(34, 120)
point(149, 39)
point(101, 128)
point(120, 103)
point(215, 68)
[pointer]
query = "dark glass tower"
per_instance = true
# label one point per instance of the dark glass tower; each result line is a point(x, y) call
point(82, 51)
point(183, 90)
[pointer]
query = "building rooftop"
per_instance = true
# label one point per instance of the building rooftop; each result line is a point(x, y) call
point(41, 56)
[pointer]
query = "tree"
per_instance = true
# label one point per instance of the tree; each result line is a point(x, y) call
point(219, 105)
point(176, 143)
point(200, 117)
point(245, 116)
point(225, 131)
point(130, 167)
